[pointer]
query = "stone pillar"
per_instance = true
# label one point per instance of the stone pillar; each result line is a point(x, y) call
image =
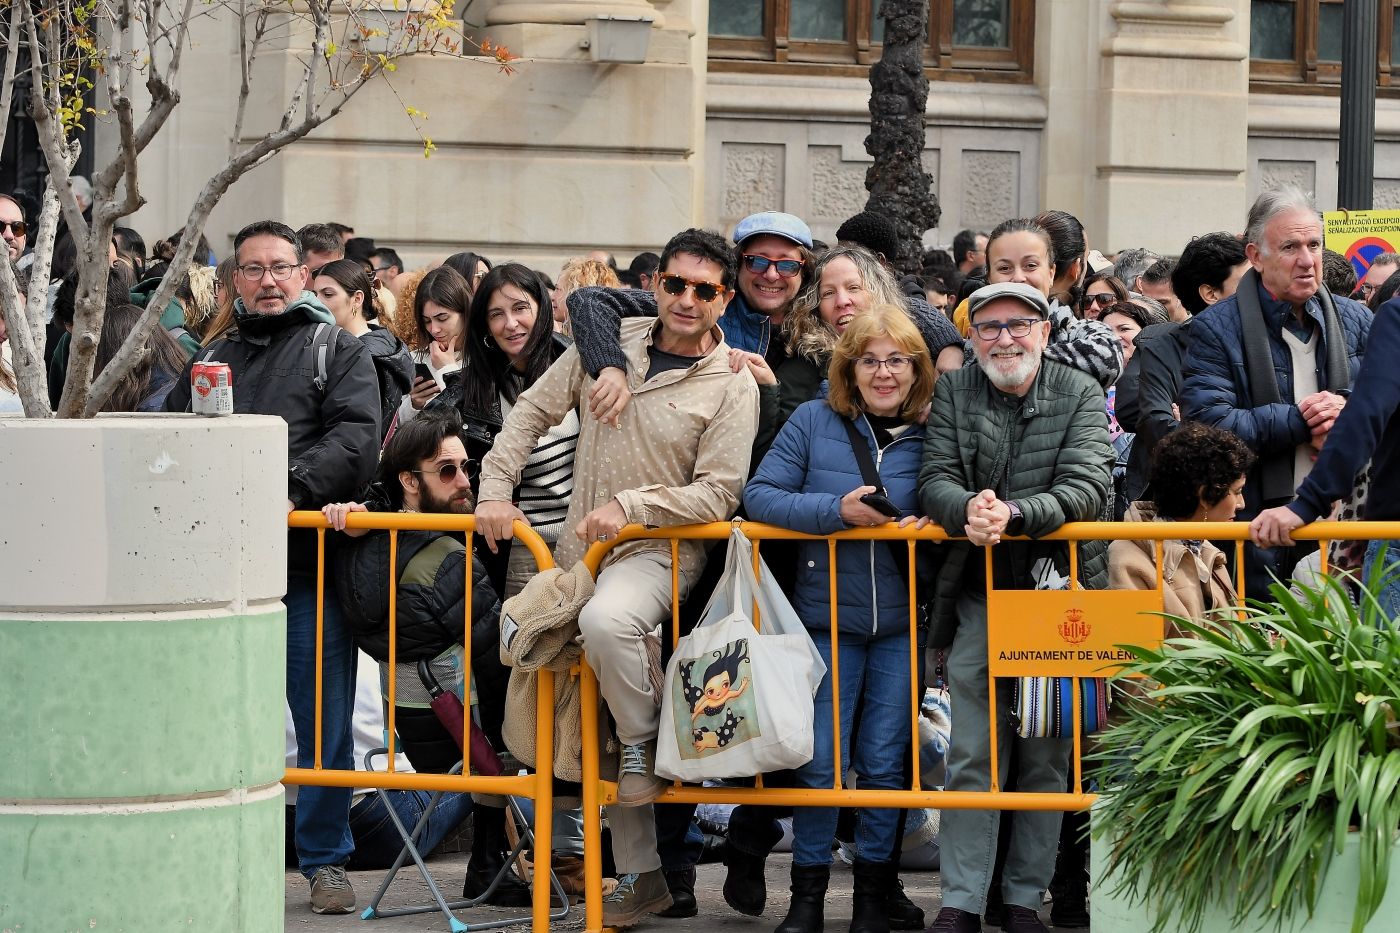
point(142, 561)
point(1173, 143)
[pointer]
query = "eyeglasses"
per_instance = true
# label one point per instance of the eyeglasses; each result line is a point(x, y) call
point(677, 284)
point(448, 471)
point(787, 268)
point(1365, 291)
point(1017, 327)
point(281, 271)
point(17, 227)
point(382, 268)
point(895, 364)
point(1103, 300)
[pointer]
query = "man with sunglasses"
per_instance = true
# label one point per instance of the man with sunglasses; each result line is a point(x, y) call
point(681, 456)
point(772, 249)
point(332, 448)
point(1016, 445)
point(12, 226)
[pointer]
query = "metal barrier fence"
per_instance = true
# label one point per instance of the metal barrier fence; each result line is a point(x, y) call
point(538, 787)
point(1124, 607)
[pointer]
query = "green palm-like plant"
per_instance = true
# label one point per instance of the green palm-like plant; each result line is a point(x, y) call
point(1267, 739)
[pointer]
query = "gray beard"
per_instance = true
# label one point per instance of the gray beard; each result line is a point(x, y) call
point(1008, 381)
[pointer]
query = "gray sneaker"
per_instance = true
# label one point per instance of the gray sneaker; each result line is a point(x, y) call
point(331, 892)
point(636, 897)
point(637, 783)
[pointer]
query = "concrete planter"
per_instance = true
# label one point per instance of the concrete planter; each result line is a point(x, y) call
point(1111, 910)
point(142, 666)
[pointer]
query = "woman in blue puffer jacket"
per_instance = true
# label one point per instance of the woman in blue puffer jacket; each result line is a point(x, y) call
point(881, 378)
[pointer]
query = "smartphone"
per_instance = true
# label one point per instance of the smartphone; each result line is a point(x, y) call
point(880, 503)
point(421, 371)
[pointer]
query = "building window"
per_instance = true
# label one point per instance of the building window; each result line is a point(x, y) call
point(989, 37)
point(1297, 44)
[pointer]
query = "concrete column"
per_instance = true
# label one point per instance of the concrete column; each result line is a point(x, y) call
point(142, 561)
point(1173, 139)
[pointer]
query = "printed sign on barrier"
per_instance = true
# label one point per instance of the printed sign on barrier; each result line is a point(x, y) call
point(1068, 633)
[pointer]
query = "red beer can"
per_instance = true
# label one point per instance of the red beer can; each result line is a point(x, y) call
point(212, 385)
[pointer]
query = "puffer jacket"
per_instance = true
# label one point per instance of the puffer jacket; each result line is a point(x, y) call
point(393, 366)
point(1216, 388)
point(332, 433)
point(1048, 452)
point(799, 485)
point(432, 584)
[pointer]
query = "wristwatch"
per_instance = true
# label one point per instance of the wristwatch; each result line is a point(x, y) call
point(1017, 523)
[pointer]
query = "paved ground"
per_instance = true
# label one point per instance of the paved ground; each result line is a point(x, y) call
point(714, 915)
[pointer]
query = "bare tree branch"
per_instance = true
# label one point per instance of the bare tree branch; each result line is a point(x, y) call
point(7, 83)
point(24, 318)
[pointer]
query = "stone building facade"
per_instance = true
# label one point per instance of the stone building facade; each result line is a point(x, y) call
point(1151, 120)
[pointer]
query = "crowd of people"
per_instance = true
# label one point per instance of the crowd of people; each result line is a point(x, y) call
point(1018, 382)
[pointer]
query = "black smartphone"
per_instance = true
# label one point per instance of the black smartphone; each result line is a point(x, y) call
point(880, 503)
point(421, 371)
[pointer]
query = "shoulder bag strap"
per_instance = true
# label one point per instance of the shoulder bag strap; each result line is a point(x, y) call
point(871, 476)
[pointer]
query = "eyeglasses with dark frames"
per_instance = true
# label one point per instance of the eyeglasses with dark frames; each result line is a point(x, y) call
point(1017, 327)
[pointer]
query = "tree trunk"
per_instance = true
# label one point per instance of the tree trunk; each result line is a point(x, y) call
point(898, 185)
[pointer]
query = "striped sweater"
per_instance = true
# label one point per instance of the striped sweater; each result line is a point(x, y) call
point(547, 481)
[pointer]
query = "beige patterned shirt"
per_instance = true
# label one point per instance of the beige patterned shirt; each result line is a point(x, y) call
point(681, 455)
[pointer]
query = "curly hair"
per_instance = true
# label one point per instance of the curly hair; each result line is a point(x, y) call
point(404, 322)
point(806, 334)
point(1196, 463)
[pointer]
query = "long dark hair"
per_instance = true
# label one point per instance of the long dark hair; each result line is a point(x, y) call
point(466, 262)
point(163, 354)
point(485, 366)
point(1067, 234)
point(444, 286)
point(350, 275)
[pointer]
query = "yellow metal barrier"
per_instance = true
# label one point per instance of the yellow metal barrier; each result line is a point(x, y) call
point(597, 793)
point(538, 787)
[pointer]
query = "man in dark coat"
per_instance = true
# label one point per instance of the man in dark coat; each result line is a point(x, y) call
point(332, 444)
point(1275, 362)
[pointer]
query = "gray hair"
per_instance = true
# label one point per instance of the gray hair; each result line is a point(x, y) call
point(1386, 259)
point(1132, 263)
point(1269, 205)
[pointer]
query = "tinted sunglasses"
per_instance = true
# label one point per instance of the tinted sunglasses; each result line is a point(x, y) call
point(448, 471)
point(18, 227)
point(677, 284)
point(787, 268)
point(1102, 300)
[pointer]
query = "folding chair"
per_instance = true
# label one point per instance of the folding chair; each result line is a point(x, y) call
point(457, 722)
point(410, 850)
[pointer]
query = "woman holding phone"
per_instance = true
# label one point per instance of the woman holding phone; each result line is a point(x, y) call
point(818, 478)
point(440, 306)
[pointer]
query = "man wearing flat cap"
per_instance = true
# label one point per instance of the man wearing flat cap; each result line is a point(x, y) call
point(1016, 445)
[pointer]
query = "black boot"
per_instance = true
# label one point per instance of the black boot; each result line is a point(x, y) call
point(869, 905)
point(903, 913)
point(488, 858)
point(681, 883)
point(744, 889)
point(808, 894)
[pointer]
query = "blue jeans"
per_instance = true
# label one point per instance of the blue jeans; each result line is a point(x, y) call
point(378, 843)
point(323, 813)
point(875, 670)
point(1376, 571)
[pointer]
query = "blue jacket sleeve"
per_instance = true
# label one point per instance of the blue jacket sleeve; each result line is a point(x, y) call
point(775, 494)
point(1208, 395)
point(1374, 400)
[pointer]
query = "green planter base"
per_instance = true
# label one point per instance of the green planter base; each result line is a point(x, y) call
point(1111, 911)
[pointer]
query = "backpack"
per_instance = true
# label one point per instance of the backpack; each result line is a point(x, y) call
point(321, 344)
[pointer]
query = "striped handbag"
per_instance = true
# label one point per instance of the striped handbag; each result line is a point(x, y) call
point(1044, 706)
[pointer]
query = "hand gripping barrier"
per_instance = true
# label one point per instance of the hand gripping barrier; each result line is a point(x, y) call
point(1119, 606)
point(539, 786)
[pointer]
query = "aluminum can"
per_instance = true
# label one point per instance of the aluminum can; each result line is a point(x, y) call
point(212, 388)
